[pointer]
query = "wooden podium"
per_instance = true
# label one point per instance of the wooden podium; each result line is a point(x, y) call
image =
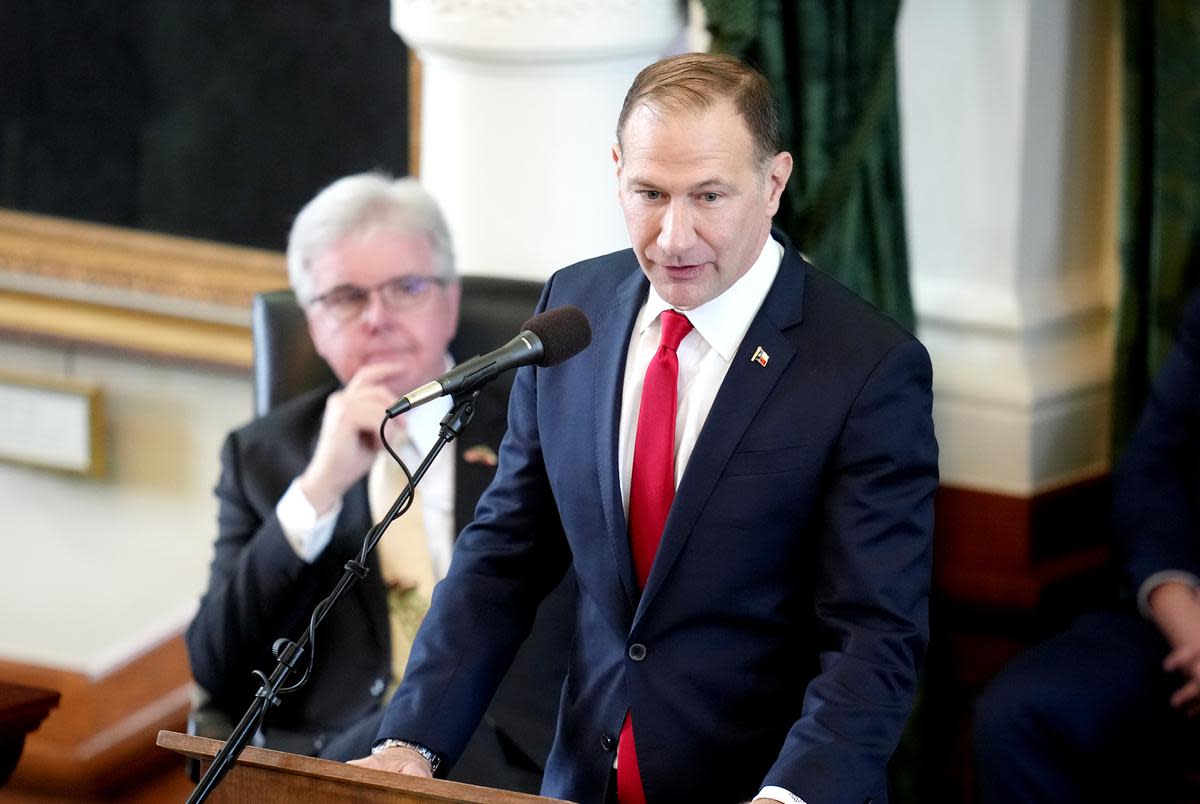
point(263, 776)
point(22, 709)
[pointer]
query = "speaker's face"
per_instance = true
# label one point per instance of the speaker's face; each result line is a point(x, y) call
point(697, 202)
point(378, 301)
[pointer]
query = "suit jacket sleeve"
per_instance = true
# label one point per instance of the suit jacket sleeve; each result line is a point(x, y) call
point(505, 563)
point(258, 590)
point(872, 587)
point(1155, 484)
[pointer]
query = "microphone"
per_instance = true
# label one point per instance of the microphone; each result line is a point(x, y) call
point(547, 339)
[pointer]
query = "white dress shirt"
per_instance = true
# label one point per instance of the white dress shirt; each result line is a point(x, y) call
point(705, 355)
point(1158, 579)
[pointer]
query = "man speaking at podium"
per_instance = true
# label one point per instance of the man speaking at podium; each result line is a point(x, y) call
point(740, 468)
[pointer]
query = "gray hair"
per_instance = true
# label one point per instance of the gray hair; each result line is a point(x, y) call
point(360, 204)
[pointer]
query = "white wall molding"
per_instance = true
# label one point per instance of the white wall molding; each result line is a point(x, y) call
point(1009, 125)
point(537, 31)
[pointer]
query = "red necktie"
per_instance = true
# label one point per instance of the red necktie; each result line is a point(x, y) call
point(651, 491)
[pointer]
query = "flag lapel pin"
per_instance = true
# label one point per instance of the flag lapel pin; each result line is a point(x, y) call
point(481, 454)
point(760, 356)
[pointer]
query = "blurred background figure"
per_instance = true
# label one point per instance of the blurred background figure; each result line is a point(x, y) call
point(371, 263)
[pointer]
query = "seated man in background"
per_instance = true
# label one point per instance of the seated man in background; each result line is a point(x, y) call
point(1106, 711)
point(371, 263)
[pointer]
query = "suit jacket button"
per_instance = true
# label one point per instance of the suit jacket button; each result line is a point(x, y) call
point(607, 742)
point(637, 651)
point(377, 688)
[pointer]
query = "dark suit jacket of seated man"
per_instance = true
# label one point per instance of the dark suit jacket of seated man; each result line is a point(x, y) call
point(358, 233)
point(1106, 710)
point(774, 647)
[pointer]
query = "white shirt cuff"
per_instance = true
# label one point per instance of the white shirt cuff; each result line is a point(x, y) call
point(306, 533)
point(779, 794)
point(1158, 579)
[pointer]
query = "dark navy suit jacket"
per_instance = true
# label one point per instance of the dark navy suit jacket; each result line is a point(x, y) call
point(778, 637)
point(1156, 485)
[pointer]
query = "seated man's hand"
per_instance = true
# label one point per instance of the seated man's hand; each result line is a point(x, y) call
point(1176, 610)
point(397, 760)
point(349, 436)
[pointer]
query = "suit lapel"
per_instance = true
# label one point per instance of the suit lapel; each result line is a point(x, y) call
point(356, 510)
point(475, 452)
point(612, 331)
point(743, 391)
point(371, 591)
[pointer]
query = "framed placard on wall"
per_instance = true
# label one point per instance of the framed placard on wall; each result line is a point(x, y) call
point(52, 424)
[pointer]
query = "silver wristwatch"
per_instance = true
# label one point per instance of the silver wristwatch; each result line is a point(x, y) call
point(433, 759)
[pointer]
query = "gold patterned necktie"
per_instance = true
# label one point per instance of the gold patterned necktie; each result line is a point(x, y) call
point(404, 561)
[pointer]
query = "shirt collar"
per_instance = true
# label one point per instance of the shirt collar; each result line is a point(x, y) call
point(723, 321)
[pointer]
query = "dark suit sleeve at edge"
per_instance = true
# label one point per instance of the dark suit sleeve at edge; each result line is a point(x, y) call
point(253, 594)
point(1154, 485)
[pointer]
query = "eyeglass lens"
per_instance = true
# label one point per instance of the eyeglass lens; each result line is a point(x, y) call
point(400, 292)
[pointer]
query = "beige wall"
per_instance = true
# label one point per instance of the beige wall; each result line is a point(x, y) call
point(96, 570)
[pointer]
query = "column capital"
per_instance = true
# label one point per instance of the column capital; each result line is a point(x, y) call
point(524, 31)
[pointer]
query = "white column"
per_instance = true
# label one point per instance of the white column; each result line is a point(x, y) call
point(519, 108)
point(1009, 120)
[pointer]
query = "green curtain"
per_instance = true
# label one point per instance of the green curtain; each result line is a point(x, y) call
point(832, 64)
point(1160, 199)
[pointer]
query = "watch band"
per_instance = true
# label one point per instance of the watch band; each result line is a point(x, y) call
point(433, 759)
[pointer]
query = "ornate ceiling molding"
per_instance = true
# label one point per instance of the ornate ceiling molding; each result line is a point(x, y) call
point(102, 286)
point(523, 31)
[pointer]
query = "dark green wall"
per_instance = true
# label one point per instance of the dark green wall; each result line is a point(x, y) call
point(208, 118)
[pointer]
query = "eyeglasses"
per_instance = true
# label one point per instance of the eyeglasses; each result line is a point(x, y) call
point(407, 292)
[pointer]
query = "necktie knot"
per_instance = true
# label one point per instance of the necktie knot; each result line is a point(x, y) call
point(675, 327)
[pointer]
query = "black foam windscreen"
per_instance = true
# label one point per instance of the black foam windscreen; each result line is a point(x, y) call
point(563, 331)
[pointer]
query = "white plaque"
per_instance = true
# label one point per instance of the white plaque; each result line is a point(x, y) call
point(51, 423)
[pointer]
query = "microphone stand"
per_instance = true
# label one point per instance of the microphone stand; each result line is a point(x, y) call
point(288, 652)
